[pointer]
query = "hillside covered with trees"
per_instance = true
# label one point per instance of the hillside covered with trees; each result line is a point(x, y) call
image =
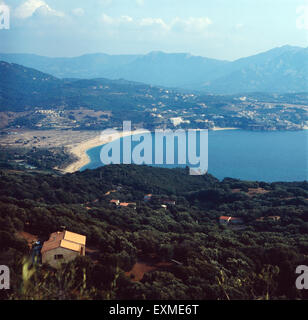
point(30, 99)
point(176, 232)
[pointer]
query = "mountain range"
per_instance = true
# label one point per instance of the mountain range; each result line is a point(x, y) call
point(23, 89)
point(280, 70)
point(99, 103)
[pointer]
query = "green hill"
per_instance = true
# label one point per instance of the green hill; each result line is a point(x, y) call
point(254, 260)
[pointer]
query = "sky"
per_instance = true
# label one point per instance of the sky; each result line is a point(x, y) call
point(221, 29)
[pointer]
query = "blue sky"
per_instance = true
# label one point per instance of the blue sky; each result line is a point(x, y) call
point(222, 29)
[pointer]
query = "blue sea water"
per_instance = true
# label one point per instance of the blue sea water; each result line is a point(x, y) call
point(249, 155)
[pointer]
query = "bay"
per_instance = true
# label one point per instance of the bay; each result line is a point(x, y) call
point(249, 155)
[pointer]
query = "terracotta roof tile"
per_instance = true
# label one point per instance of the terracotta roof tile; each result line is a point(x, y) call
point(75, 237)
point(64, 239)
point(70, 245)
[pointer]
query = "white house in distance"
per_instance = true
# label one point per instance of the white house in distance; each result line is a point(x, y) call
point(63, 247)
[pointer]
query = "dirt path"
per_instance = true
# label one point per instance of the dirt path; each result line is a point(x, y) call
point(140, 268)
point(30, 238)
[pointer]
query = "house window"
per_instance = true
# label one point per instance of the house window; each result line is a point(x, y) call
point(58, 256)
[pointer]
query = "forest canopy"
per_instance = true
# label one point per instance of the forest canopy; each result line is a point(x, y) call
point(177, 232)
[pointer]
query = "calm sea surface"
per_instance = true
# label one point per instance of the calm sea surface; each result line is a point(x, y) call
point(247, 155)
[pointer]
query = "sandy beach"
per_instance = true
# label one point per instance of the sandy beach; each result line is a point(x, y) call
point(80, 150)
point(74, 142)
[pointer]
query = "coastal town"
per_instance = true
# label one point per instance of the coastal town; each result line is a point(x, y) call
point(160, 108)
point(150, 107)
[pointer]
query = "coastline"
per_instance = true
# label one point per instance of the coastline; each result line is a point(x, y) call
point(80, 150)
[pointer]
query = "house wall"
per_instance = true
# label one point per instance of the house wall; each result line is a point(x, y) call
point(68, 255)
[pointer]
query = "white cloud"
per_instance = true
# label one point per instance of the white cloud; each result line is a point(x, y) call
point(107, 20)
point(150, 22)
point(140, 2)
point(116, 21)
point(78, 12)
point(126, 19)
point(189, 25)
point(302, 19)
point(28, 8)
point(47, 11)
point(239, 26)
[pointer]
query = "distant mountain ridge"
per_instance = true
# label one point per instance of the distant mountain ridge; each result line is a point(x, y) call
point(23, 88)
point(32, 99)
point(280, 70)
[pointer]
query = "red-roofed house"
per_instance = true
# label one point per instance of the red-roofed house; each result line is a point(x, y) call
point(147, 197)
point(224, 220)
point(128, 204)
point(63, 247)
point(116, 202)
